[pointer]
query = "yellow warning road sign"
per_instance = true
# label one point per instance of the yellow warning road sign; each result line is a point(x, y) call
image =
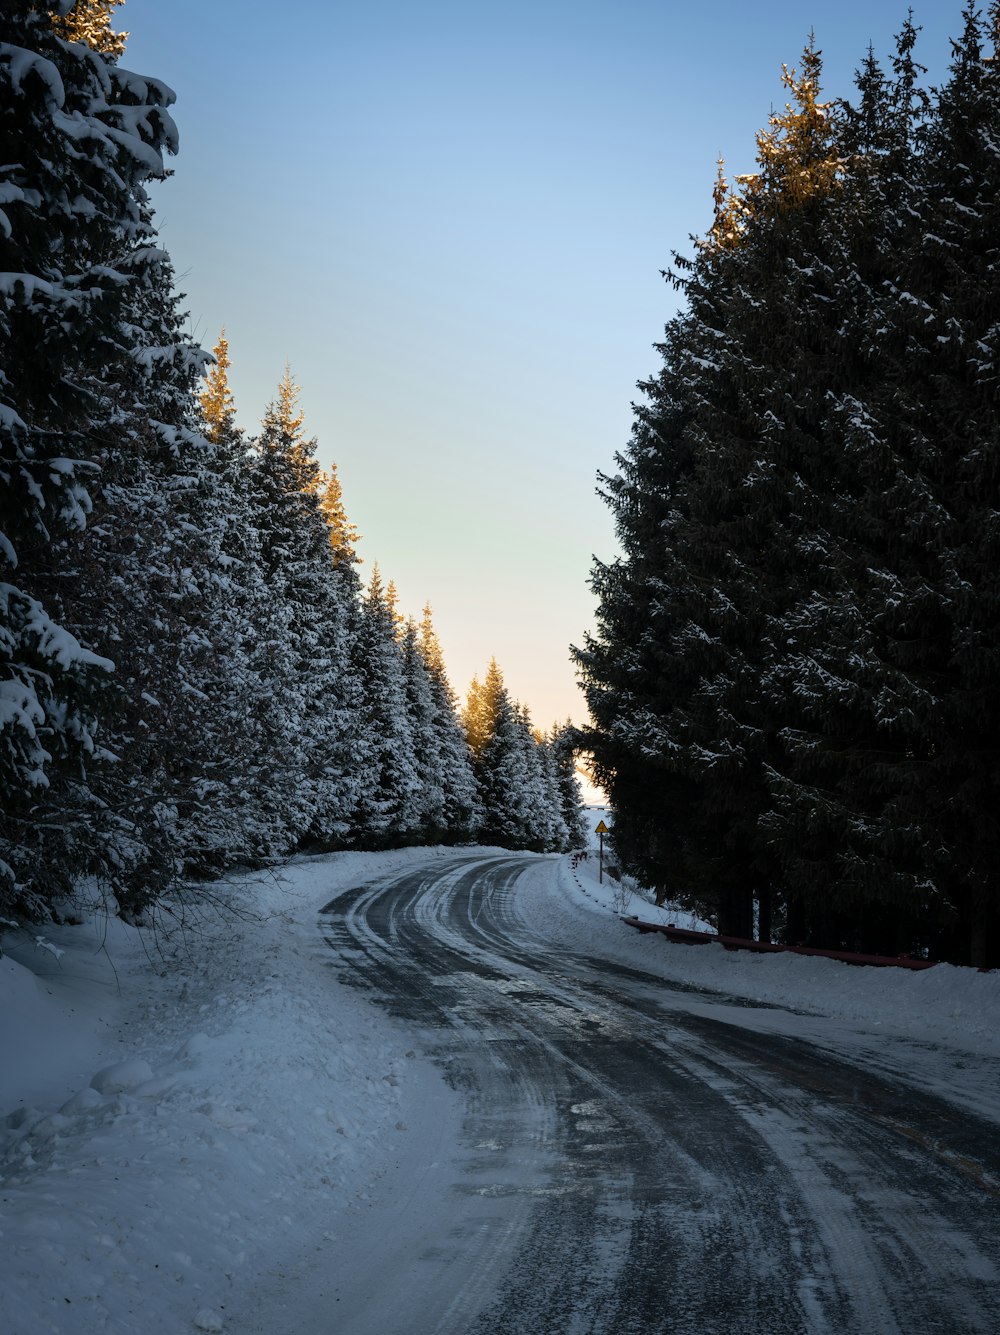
point(602, 828)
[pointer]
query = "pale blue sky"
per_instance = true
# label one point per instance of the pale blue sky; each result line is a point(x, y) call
point(451, 218)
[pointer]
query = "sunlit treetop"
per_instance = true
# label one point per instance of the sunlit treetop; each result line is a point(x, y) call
point(730, 213)
point(89, 21)
point(482, 707)
point(430, 645)
point(392, 602)
point(217, 404)
point(282, 435)
point(796, 153)
point(797, 158)
point(288, 415)
point(344, 535)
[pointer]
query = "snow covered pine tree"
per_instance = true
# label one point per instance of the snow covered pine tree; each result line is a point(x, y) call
point(78, 138)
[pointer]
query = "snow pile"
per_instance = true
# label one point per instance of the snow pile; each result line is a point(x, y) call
point(956, 1007)
point(170, 1124)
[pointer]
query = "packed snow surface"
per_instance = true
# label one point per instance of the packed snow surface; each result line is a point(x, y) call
point(187, 1109)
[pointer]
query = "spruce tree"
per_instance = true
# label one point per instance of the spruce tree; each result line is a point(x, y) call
point(389, 806)
point(684, 807)
point(312, 685)
point(926, 593)
point(429, 762)
point(881, 803)
point(89, 21)
point(250, 620)
point(720, 505)
point(158, 595)
point(561, 743)
point(218, 407)
point(344, 535)
point(79, 137)
point(517, 794)
point(557, 837)
point(789, 683)
point(829, 669)
point(460, 812)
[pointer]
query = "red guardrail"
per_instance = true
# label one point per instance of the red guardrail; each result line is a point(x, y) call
point(691, 938)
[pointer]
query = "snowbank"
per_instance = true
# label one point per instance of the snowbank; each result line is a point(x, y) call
point(948, 1006)
point(181, 1108)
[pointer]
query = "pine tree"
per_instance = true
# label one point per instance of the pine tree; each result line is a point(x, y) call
point(389, 803)
point(428, 759)
point(218, 408)
point(475, 719)
point(89, 21)
point(828, 785)
point(460, 813)
point(392, 602)
point(797, 157)
point(313, 688)
point(789, 680)
point(716, 511)
point(658, 637)
point(500, 771)
point(761, 533)
point(344, 536)
point(250, 828)
point(185, 611)
point(520, 807)
point(561, 744)
point(79, 138)
point(881, 801)
point(557, 837)
point(927, 593)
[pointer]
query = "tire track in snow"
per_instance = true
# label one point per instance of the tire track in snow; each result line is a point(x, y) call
point(688, 1177)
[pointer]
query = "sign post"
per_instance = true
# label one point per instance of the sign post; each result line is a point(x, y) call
point(601, 830)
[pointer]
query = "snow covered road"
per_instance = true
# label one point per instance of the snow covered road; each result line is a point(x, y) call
point(446, 1092)
point(629, 1161)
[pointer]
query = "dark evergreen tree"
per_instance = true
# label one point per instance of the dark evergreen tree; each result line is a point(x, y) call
point(655, 674)
point(829, 670)
point(923, 589)
point(78, 137)
point(788, 683)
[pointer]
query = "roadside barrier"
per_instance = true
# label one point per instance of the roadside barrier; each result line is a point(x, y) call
point(691, 938)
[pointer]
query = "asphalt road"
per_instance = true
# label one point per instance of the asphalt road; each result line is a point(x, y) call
point(607, 1155)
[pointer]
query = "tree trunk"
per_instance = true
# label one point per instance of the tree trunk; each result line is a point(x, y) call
point(795, 921)
point(736, 912)
point(764, 907)
point(978, 937)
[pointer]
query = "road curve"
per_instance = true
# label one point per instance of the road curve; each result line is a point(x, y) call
point(626, 1161)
